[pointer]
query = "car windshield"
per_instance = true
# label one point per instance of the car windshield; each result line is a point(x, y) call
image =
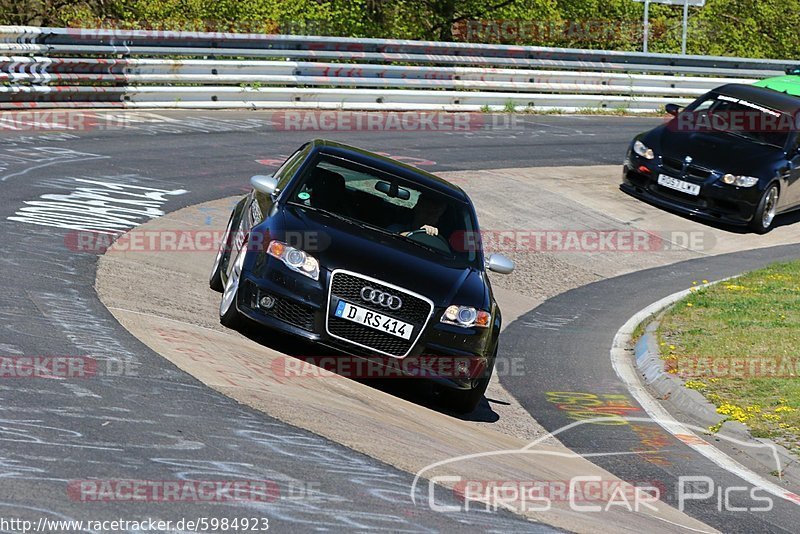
point(390, 205)
point(740, 118)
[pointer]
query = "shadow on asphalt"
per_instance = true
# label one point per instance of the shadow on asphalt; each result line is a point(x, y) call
point(420, 391)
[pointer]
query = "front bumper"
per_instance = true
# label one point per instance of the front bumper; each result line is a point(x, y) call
point(447, 354)
point(716, 201)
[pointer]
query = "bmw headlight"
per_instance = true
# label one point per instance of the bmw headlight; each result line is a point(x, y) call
point(466, 317)
point(295, 259)
point(741, 181)
point(643, 150)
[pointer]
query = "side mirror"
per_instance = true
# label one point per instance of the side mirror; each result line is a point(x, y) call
point(500, 264)
point(266, 184)
point(672, 109)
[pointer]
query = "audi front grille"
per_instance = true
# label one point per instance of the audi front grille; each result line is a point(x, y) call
point(348, 286)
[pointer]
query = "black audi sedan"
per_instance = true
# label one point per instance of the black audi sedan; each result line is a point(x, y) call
point(731, 156)
point(368, 256)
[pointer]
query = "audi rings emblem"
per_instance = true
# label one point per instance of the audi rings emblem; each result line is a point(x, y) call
point(369, 294)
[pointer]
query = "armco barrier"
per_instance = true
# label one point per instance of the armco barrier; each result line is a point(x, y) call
point(65, 67)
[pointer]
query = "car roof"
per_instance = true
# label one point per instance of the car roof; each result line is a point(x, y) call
point(789, 84)
point(769, 98)
point(390, 166)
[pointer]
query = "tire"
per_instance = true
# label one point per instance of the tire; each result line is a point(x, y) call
point(465, 401)
point(229, 314)
point(223, 253)
point(764, 216)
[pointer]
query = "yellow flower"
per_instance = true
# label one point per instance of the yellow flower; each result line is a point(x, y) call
point(672, 347)
point(695, 384)
point(715, 428)
point(705, 281)
point(734, 412)
point(734, 287)
point(689, 304)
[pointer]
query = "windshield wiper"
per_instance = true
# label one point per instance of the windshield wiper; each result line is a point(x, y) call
point(330, 214)
point(383, 231)
point(429, 248)
point(748, 138)
point(437, 251)
point(354, 222)
point(403, 238)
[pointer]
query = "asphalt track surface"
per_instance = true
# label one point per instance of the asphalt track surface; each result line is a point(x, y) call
point(162, 424)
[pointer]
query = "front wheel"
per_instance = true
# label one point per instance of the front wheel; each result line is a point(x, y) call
point(223, 253)
point(229, 315)
point(764, 216)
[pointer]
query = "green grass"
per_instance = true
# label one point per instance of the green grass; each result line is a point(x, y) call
point(511, 107)
point(622, 110)
point(711, 337)
point(640, 329)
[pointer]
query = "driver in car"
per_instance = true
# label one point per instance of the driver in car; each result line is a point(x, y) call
point(425, 216)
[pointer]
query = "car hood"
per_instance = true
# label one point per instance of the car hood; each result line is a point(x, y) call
point(340, 245)
point(716, 151)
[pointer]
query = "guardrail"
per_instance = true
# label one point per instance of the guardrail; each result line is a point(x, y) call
point(63, 67)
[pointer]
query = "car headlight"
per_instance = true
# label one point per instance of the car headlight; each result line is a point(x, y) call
point(741, 181)
point(642, 149)
point(466, 317)
point(294, 258)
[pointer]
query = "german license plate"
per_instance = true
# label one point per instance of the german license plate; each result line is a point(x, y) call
point(377, 321)
point(678, 185)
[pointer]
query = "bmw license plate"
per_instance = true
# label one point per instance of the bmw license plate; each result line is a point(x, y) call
point(372, 319)
point(678, 185)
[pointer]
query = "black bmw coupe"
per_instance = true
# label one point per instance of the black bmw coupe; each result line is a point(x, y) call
point(368, 256)
point(733, 156)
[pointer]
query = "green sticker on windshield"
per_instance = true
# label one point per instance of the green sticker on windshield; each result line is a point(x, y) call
point(303, 196)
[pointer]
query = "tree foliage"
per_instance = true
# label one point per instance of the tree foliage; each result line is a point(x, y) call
point(753, 28)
